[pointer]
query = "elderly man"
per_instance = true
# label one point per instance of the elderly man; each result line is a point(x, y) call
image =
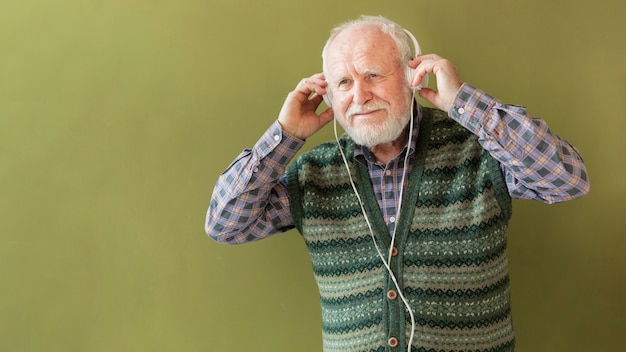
point(405, 215)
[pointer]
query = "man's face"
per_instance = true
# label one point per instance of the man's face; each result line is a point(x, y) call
point(370, 94)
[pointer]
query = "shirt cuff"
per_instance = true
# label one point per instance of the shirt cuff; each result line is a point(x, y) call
point(471, 108)
point(280, 144)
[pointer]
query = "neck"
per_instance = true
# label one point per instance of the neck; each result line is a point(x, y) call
point(387, 151)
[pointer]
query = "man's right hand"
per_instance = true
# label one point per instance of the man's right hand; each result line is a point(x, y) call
point(298, 115)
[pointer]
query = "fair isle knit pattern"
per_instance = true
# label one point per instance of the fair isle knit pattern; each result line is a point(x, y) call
point(451, 261)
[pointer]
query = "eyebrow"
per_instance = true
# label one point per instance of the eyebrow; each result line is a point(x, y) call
point(369, 70)
point(373, 69)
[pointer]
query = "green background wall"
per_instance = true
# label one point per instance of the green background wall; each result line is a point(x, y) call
point(116, 118)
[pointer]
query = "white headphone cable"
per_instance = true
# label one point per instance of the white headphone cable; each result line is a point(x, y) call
point(399, 208)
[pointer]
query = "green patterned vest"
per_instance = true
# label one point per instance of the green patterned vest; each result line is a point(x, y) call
point(451, 246)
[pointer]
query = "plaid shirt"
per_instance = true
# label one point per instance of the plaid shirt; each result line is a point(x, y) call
point(250, 199)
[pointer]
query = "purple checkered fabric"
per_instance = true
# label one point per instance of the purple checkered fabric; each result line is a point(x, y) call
point(250, 199)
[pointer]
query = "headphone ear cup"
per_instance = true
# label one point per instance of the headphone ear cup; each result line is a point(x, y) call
point(410, 72)
point(424, 82)
point(409, 76)
point(327, 100)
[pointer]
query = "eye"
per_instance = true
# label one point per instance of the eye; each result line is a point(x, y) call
point(372, 76)
point(344, 84)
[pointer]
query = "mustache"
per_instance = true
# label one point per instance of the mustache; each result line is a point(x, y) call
point(369, 106)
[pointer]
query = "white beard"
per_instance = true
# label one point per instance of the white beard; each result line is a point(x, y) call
point(376, 134)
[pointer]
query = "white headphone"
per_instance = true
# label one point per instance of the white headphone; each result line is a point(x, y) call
point(386, 261)
point(409, 71)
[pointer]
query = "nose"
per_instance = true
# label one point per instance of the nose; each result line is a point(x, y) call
point(362, 92)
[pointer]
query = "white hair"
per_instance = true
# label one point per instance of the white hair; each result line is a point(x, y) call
point(387, 26)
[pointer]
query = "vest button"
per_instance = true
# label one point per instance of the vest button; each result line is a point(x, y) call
point(392, 342)
point(391, 294)
point(394, 251)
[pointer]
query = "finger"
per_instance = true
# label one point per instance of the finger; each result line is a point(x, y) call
point(316, 99)
point(425, 57)
point(314, 84)
point(327, 116)
point(421, 58)
point(317, 79)
point(418, 75)
point(304, 91)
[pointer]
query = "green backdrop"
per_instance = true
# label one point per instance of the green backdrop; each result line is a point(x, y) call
point(116, 118)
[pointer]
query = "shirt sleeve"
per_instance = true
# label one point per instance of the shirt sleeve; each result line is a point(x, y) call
point(249, 201)
point(536, 163)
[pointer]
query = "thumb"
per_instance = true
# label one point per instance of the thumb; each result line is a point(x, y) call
point(327, 116)
point(429, 94)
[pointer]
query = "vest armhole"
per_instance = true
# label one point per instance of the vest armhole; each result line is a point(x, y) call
point(499, 186)
point(295, 194)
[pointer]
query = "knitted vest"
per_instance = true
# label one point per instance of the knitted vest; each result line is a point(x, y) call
point(450, 239)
